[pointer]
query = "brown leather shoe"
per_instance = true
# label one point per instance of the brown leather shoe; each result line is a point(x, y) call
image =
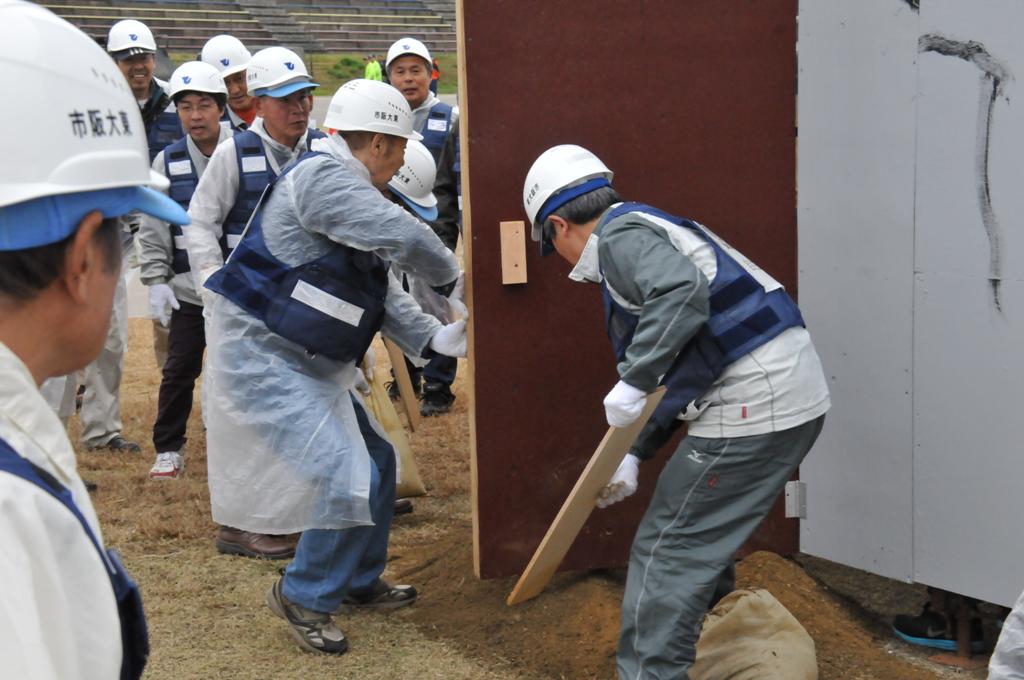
point(231, 541)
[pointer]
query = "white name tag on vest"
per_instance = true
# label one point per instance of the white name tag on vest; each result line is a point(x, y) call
point(180, 243)
point(180, 167)
point(437, 124)
point(254, 164)
point(328, 304)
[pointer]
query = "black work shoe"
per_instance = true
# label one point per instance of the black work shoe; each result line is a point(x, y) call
point(437, 399)
point(381, 596)
point(395, 394)
point(403, 506)
point(314, 631)
point(117, 444)
point(90, 486)
point(932, 629)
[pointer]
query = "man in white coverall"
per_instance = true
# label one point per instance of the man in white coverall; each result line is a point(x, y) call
point(291, 445)
point(685, 310)
point(68, 610)
point(238, 172)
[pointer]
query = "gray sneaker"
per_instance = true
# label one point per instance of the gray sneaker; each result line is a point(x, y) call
point(314, 631)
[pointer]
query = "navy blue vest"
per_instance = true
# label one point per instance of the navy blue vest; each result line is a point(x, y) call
point(181, 171)
point(254, 175)
point(242, 126)
point(134, 633)
point(435, 130)
point(333, 305)
point(742, 318)
point(165, 130)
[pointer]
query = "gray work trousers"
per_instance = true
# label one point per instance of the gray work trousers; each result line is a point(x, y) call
point(101, 403)
point(711, 496)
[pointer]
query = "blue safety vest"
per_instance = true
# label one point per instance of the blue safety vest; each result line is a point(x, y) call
point(333, 305)
point(254, 175)
point(134, 633)
point(181, 171)
point(436, 127)
point(743, 316)
point(164, 130)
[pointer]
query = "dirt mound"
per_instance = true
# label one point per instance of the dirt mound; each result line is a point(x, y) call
point(570, 632)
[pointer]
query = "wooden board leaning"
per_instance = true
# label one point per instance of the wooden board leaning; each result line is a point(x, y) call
point(578, 506)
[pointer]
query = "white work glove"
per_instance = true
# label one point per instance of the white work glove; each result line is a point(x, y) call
point(161, 300)
point(623, 404)
point(622, 484)
point(450, 340)
point(456, 300)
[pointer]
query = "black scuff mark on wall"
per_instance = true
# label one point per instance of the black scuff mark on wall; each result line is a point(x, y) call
point(994, 76)
point(914, 4)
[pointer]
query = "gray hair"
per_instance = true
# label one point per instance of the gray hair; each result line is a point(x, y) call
point(582, 209)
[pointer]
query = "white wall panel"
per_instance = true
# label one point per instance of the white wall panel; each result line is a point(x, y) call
point(855, 213)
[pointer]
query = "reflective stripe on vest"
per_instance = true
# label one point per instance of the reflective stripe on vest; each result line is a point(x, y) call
point(435, 129)
point(134, 633)
point(181, 171)
point(254, 174)
point(743, 316)
point(333, 305)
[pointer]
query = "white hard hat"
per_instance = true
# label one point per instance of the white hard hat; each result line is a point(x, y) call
point(372, 106)
point(226, 53)
point(197, 76)
point(414, 181)
point(130, 37)
point(559, 175)
point(82, 147)
point(406, 46)
point(277, 72)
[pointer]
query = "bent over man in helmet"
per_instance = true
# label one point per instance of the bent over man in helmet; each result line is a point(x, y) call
point(291, 445)
point(685, 310)
point(69, 608)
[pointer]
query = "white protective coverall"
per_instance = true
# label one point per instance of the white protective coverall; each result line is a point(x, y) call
point(284, 449)
point(58, 615)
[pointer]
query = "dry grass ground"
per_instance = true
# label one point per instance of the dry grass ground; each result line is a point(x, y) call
point(207, 617)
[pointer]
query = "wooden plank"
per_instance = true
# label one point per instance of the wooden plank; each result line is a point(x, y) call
point(409, 400)
point(579, 505)
point(467, 256)
point(513, 252)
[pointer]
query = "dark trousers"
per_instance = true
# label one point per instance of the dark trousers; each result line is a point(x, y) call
point(440, 369)
point(185, 345)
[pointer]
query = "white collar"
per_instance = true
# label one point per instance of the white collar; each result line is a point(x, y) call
point(428, 102)
point(588, 268)
point(25, 409)
point(337, 147)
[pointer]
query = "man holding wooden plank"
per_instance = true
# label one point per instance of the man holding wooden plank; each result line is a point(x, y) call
point(687, 311)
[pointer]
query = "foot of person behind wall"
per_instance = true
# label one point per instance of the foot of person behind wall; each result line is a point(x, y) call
point(314, 631)
point(403, 506)
point(116, 444)
point(231, 541)
point(437, 399)
point(90, 486)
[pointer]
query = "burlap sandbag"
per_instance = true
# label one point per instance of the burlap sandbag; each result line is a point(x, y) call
point(749, 635)
point(409, 483)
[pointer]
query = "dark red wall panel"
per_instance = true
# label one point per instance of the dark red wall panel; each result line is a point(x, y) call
point(692, 105)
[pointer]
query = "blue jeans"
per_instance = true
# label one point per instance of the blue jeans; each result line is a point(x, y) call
point(329, 563)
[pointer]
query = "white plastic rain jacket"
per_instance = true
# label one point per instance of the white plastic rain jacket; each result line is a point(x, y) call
point(284, 449)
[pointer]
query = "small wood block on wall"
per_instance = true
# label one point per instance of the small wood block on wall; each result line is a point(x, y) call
point(513, 252)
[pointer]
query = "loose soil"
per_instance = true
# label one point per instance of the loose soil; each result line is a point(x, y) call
point(208, 619)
